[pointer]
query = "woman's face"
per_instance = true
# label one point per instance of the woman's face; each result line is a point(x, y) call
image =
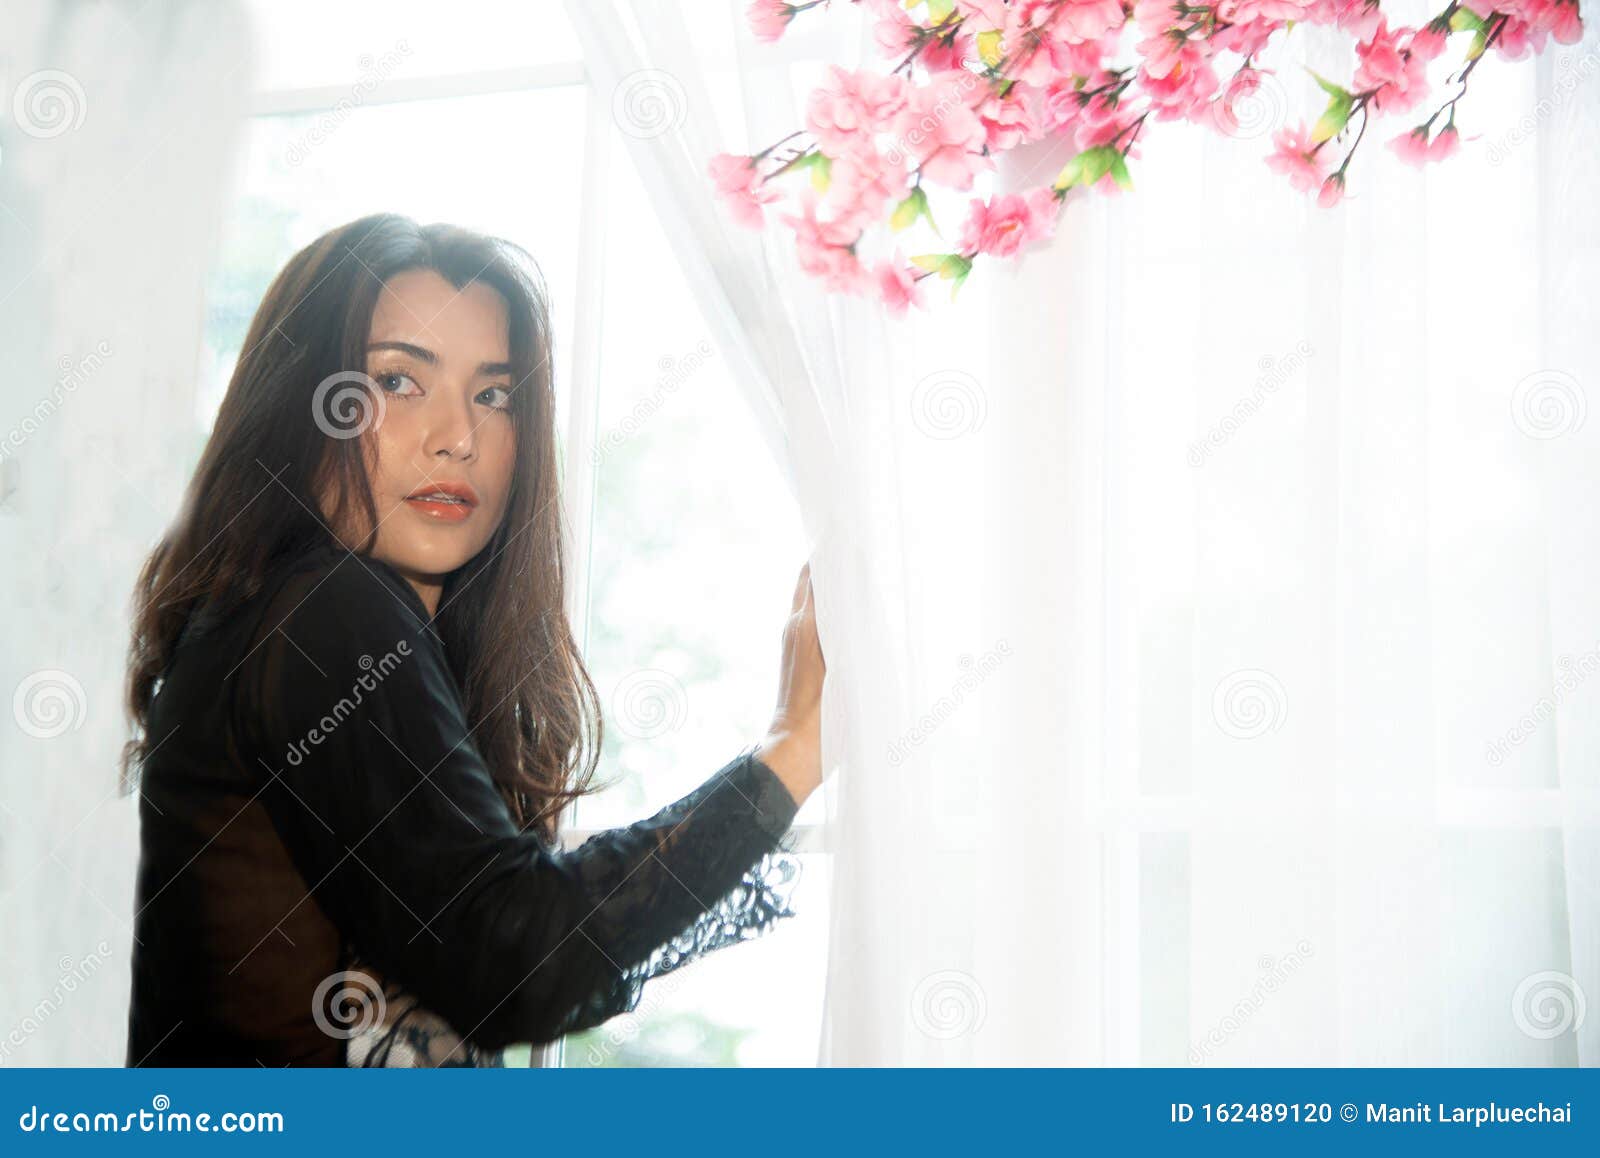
point(443, 434)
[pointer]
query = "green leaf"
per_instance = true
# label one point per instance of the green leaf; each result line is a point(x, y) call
point(956, 269)
point(821, 173)
point(950, 266)
point(1334, 118)
point(1119, 173)
point(1071, 173)
point(1465, 20)
point(1480, 41)
point(989, 47)
point(1088, 167)
point(906, 213)
point(939, 10)
point(1333, 90)
point(1097, 162)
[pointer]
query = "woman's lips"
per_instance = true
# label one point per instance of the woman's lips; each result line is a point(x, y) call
point(450, 502)
point(446, 510)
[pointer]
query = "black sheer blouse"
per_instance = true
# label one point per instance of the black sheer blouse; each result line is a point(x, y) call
point(337, 881)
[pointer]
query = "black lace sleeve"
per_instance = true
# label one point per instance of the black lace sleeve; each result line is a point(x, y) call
point(347, 706)
point(751, 908)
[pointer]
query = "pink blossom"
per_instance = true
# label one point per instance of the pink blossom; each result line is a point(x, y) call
point(861, 186)
point(846, 111)
point(1006, 120)
point(1246, 39)
point(895, 31)
point(1007, 222)
point(1184, 89)
point(1529, 22)
point(948, 53)
point(1083, 21)
point(942, 134)
point(1060, 104)
point(1445, 145)
point(1239, 89)
point(1566, 25)
point(1088, 58)
point(1165, 38)
point(739, 183)
point(1297, 159)
point(1359, 17)
point(827, 247)
point(1517, 38)
point(1044, 39)
point(1266, 11)
point(1092, 133)
point(1398, 75)
point(1428, 42)
point(938, 115)
point(1102, 108)
point(1161, 53)
point(897, 285)
point(983, 14)
point(769, 18)
point(1154, 17)
point(1412, 147)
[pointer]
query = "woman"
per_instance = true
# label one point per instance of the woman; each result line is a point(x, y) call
point(361, 711)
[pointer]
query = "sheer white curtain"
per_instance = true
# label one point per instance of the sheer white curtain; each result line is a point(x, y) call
point(1320, 517)
point(1208, 600)
point(116, 133)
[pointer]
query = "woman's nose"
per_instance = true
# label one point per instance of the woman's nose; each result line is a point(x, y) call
point(450, 432)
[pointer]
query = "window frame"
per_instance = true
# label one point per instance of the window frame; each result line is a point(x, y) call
point(583, 388)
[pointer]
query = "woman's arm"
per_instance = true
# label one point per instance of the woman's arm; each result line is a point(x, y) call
point(348, 708)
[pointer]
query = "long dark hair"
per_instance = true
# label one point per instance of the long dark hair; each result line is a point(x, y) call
point(533, 708)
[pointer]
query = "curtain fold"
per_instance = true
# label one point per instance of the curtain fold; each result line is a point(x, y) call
point(114, 155)
point(1207, 597)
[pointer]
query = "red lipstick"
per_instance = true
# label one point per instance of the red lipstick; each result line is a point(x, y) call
point(450, 502)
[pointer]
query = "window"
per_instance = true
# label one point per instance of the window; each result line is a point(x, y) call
point(685, 543)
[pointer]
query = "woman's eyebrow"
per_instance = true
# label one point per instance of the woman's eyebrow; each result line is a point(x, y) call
point(420, 353)
point(423, 354)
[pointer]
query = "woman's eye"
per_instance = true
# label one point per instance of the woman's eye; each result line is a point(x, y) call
point(497, 397)
point(394, 382)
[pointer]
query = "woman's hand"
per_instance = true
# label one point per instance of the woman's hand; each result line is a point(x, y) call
point(793, 745)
